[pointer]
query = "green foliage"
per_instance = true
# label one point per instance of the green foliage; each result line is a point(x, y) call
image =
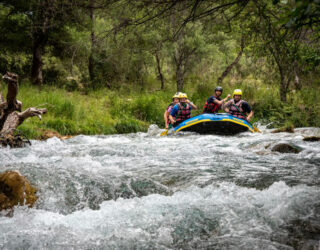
point(124, 96)
point(109, 112)
point(54, 72)
point(29, 131)
point(68, 113)
point(129, 126)
point(147, 108)
point(65, 109)
point(14, 62)
point(301, 111)
point(63, 126)
point(202, 91)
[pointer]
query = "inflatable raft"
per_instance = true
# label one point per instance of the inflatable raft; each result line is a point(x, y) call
point(220, 123)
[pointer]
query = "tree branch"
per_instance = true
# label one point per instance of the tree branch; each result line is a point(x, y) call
point(12, 89)
point(30, 112)
point(10, 119)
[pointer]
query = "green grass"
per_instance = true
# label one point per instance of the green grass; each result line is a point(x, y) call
point(122, 111)
point(69, 113)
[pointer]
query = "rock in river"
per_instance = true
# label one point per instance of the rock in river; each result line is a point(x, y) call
point(286, 148)
point(15, 189)
point(312, 138)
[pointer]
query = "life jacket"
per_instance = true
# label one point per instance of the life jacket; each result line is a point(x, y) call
point(170, 105)
point(184, 113)
point(211, 107)
point(233, 110)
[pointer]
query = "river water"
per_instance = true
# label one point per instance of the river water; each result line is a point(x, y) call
point(185, 191)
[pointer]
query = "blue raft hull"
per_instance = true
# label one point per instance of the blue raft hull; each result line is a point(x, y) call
point(220, 123)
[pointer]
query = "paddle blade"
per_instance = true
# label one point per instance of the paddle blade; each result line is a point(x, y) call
point(255, 129)
point(164, 133)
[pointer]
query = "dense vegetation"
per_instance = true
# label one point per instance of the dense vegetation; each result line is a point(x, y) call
point(103, 66)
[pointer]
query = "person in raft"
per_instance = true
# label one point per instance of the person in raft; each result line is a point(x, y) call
point(181, 111)
point(238, 107)
point(214, 102)
point(175, 100)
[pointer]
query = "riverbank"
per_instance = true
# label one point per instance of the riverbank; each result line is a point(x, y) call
point(123, 110)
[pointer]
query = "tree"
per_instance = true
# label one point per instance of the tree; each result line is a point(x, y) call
point(276, 40)
point(301, 14)
point(189, 46)
point(45, 21)
point(235, 62)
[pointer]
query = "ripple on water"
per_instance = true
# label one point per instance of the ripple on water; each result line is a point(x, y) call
point(182, 191)
point(223, 216)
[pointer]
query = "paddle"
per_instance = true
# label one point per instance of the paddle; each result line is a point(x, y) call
point(255, 129)
point(164, 133)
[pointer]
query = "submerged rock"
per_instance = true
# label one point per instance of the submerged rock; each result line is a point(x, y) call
point(15, 189)
point(286, 148)
point(288, 129)
point(312, 138)
point(46, 134)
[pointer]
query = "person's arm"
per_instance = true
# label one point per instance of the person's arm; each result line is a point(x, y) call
point(192, 104)
point(227, 98)
point(225, 106)
point(165, 115)
point(216, 101)
point(247, 109)
point(250, 116)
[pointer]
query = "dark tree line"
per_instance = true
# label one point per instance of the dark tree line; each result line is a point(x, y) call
point(108, 41)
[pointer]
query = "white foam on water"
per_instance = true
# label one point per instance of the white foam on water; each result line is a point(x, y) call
point(183, 190)
point(214, 211)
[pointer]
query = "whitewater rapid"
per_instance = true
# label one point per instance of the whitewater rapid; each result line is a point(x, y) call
point(185, 191)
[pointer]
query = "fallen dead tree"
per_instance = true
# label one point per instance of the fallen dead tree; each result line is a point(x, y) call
point(11, 115)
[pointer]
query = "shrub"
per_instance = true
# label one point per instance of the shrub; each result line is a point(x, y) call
point(147, 108)
point(128, 126)
point(63, 126)
point(62, 107)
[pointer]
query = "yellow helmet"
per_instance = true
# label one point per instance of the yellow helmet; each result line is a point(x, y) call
point(176, 95)
point(183, 95)
point(237, 92)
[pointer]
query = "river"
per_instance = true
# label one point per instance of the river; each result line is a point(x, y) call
point(184, 191)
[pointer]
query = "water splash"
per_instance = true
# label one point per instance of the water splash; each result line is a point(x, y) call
point(182, 191)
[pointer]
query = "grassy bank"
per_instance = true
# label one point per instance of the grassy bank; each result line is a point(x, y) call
point(122, 111)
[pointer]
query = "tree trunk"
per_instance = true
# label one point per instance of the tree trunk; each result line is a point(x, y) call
point(235, 62)
point(283, 92)
point(180, 77)
point(159, 70)
point(283, 86)
point(91, 63)
point(179, 60)
point(297, 81)
point(10, 119)
point(36, 71)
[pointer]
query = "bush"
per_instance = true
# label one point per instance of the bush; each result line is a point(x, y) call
point(147, 108)
point(202, 93)
point(54, 72)
point(63, 126)
point(96, 127)
point(60, 106)
point(129, 126)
